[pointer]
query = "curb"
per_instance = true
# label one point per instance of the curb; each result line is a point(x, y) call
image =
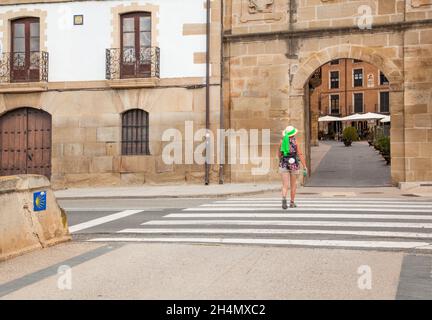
point(162, 196)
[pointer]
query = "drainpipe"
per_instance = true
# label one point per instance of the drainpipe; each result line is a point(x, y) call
point(221, 109)
point(206, 178)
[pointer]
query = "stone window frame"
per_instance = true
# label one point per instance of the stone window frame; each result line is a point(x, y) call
point(6, 27)
point(118, 11)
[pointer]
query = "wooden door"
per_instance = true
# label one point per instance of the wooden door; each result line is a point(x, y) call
point(136, 45)
point(25, 142)
point(25, 56)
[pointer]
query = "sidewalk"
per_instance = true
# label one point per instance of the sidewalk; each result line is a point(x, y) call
point(232, 189)
point(356, 166)
point(169, 191)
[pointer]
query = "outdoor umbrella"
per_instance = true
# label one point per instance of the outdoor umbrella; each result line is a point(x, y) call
point(364, 117)
point(329, 119)
point(386, 119)
point(353, 117)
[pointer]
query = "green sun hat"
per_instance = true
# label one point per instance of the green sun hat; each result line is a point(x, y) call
point(290, 131)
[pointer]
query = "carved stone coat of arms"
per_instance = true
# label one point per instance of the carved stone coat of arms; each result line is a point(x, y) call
point(260, 6)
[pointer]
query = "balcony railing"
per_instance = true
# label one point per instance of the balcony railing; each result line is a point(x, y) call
point(125, 64)
point(24, 67)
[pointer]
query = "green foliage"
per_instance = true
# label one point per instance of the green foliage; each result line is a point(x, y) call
point(384, 145)
point(350, 134)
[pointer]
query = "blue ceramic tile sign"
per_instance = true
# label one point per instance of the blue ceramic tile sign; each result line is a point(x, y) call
point(39, 201)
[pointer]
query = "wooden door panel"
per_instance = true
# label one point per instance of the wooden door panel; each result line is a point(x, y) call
point(13, 141)
point(39, 143)
point(25, 137)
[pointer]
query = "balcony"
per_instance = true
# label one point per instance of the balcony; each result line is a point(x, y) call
point(125, 69)
point(24, 72)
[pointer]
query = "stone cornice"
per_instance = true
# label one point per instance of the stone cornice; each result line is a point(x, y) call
point(21, 2)
point(320, 32)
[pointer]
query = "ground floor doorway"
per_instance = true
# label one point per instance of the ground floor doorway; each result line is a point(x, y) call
point(25, 142)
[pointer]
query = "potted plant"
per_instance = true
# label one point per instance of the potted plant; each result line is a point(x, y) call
point(384, 143)
point(350, 134)
point(370, 138)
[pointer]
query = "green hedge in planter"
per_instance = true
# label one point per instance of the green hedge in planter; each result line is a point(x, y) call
point(350, 134)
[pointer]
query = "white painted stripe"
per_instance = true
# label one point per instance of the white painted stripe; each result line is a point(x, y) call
point(319, 205)
point(298, 215)
point(328, 202)
point(331, 199)
point(386, 234)
point(300, 209)
point(369, 224)
point(110, 209)
point(309, 243)
point(102, 220)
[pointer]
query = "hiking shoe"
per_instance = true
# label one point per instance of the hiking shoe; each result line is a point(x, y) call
point(284, 204)
point(293, 205)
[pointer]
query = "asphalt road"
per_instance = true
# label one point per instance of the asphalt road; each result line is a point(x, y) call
point(400, 224)
point(236, 248)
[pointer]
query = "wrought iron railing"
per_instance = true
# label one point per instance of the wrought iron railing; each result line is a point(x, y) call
point(121, 64)
point(24, 67)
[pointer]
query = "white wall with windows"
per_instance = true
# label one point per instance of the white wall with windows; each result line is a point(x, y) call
point(77, 52)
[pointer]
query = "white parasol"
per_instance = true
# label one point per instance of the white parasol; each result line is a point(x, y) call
point(329, 119)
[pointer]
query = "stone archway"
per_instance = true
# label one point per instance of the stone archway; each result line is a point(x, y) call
point(388, 62)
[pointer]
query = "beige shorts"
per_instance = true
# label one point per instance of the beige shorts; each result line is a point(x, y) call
point(293, 172)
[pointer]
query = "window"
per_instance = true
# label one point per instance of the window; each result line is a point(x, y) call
point(358, 102)
point(383, 79)
point(358, 77)
point(25, 57)
point(136, 51)
point(334, 80)
point(384, 102)
point(135, 132)
point(334, 62)
point(334, 104)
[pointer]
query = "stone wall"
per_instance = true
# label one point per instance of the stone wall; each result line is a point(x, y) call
point(22, 227)
point(86, 133)
point(273, 53)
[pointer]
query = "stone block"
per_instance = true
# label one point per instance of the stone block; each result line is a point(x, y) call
point(93, 149)
point(22, 228)
point(108, 134)
point(73, 149)
point(101, 164)
point(132, 178)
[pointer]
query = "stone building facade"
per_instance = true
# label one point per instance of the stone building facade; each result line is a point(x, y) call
point(272, 48)
point(82, 104)
point(74, 113)
point(343, 87)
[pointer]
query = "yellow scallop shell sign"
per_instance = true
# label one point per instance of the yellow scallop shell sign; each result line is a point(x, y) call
point(39, 201)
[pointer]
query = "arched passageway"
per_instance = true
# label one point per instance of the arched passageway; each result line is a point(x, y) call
point(300, 95)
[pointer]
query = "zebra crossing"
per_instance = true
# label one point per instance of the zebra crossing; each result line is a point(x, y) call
point(362, 223)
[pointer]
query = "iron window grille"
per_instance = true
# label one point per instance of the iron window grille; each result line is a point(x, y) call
point(13, 67)
point(135, 132)
point(146, 65)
